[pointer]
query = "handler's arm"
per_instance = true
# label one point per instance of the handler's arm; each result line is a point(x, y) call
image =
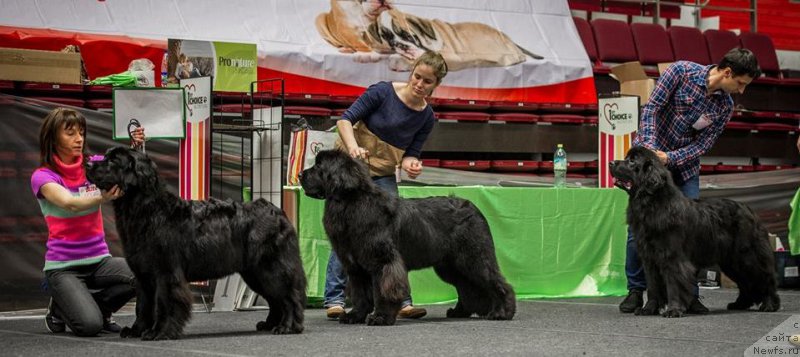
point(60, 196)
point(659, 99)
point(348, 138)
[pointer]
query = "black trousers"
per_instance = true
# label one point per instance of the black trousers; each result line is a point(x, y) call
point(83, 296)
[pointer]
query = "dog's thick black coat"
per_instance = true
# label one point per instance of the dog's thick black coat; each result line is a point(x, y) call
point(170, 242)
point(379, 237)
point(675, 236)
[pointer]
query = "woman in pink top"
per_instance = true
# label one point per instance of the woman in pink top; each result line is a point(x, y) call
point(86, 284)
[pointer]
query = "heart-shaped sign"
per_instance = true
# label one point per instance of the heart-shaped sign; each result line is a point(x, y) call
point(189, 88)
point(607, 114)
point(316, 147)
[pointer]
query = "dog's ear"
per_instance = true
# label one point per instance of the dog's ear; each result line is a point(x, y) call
point(144, 171)
point(373, 34)
point(346, 173)
point(652, 176)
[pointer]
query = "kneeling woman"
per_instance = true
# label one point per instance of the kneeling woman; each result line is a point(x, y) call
point(85, 283)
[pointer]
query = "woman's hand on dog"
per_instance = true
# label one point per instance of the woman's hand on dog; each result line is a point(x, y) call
point(112, 194)
point(358, 152)
point(412, 166)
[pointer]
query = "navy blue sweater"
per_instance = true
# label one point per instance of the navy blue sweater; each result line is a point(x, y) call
point(390, 119)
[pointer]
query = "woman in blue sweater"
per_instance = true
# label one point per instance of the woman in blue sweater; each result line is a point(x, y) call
point(387, 126)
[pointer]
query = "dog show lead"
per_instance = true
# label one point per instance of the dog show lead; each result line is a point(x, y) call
point(85, 282)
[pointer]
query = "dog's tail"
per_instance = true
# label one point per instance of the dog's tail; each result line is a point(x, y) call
point(529, 53)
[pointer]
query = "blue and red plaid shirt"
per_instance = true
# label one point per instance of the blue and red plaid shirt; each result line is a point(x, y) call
point(678, 105)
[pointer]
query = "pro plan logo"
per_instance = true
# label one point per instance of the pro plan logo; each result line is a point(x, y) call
point(613, 116)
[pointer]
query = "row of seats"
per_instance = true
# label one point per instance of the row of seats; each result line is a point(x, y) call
point(610, 41)
point(743, 120)
point(586, 168)
point(99, 98)
point(667, 11)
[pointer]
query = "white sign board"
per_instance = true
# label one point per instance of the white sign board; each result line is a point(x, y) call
point(161, 111)
point(198, 98)
point(617, 122)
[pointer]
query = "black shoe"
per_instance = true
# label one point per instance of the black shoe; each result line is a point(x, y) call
point(632, 302)
point(697, 307)
point(111, 326)
point(53, 323)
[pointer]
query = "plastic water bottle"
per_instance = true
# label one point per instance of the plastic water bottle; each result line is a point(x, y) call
point(164, 74)
point(560, 167)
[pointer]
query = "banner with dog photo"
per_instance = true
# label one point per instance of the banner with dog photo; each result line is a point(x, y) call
point(231, 65)
point(514, 50)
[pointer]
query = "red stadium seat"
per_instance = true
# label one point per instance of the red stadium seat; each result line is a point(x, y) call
point(480, 165)
point(762, 47)
point(652, 44)
point(431, 162)
point(562, 119)
point(721, 168)
point(688, 44)
point(614, 41)
point(776, 127)
point(719, 43)
point(585, 5)
point(515, 165)
point(736, 125)
point(515, 117)
point(587, 38)
point(460, 104)
point(510, 106)
point(623, 7)
point(463, 116)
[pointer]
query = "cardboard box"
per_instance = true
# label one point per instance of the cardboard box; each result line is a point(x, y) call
point(40, 66)
point(633, 80)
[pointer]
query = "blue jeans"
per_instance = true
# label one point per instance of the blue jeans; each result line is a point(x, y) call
point(633, 267)
point(83, 296)
point(335, 277)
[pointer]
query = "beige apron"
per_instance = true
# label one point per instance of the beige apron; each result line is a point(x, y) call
point(383, 159)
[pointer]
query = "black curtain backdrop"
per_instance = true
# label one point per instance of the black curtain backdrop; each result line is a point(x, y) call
point(23, 232)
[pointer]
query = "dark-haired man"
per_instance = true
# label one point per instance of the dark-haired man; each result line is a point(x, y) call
point(683, 118)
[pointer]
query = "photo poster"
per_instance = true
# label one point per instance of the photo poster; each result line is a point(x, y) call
point(161, 111)
point(233, 66)
point(618, 120)
point(194, 164)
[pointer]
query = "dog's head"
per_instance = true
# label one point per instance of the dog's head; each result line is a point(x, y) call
point(334, 174)
point(641, 171)
point(405, 34)
point(131, 170)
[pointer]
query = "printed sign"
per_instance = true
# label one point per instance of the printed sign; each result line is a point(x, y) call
point(159, 110)
point(233, 66)
point(617, 122)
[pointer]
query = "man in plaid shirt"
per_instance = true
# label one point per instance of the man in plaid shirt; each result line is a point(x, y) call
point(685, 115)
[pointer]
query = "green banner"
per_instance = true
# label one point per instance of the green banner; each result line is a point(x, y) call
point(236, 65)
point(550, 243)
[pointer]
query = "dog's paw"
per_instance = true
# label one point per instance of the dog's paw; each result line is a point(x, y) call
point(769, 306)
point(351, 318)
point(398, 63)
point(672, 312)
point(457, 313)
point(264, 326)
point(379, 320)
point(130, 332)
point(738, 305)
point(167, 335)
point(149, 335)
point(649, 309)
point(498, 315)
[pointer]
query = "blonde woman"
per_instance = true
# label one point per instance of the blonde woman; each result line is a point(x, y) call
point(387, 126)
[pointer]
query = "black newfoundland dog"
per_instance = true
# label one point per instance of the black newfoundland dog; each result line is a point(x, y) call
point(170, 242)
point(676, 236)
point(378, 237)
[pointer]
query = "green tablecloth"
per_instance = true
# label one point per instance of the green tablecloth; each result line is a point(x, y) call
point(794, 225)
point(550, 242)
